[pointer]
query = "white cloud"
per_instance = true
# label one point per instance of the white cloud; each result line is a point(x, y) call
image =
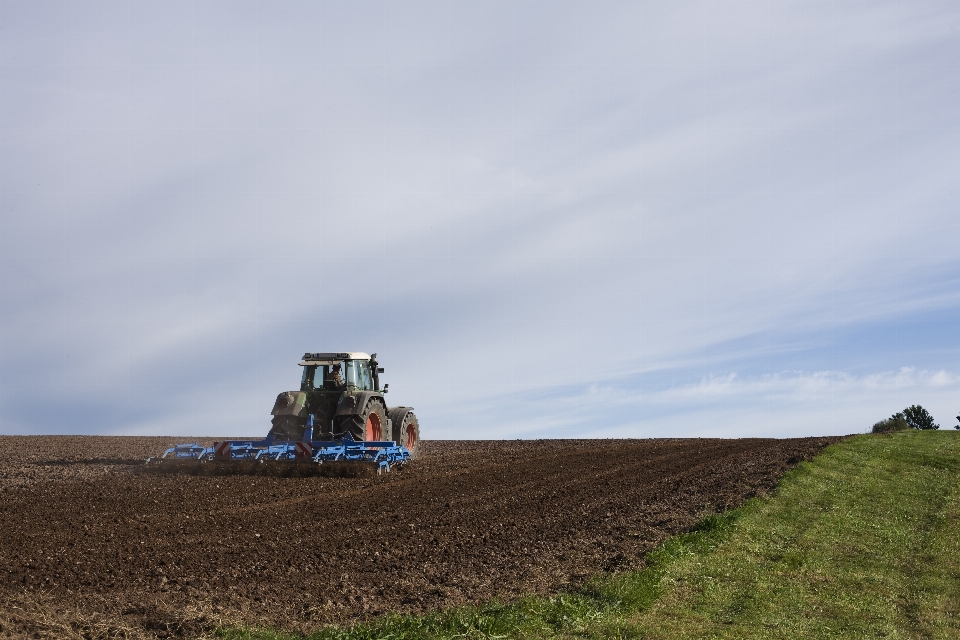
point(784, 404)
point(497, 197)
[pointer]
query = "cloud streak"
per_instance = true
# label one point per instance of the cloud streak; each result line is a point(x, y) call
point(788, 403)
point(507, 201)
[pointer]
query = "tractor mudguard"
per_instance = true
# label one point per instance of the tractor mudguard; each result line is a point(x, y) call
point(397, 414)
point(289, 403)
point(354, 403)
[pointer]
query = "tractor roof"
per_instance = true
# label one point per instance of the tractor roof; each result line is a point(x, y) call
point(330, 358)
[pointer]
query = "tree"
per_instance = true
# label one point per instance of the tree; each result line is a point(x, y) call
point(958, 423)
point(896, 422)
point(919, 418)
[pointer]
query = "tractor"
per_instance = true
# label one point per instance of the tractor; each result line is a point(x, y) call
point(342, 393)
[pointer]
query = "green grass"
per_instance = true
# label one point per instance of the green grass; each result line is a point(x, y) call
point(863, 542)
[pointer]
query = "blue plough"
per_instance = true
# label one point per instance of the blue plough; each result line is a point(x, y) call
point(382, 454)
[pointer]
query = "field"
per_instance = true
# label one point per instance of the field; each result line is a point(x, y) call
point(89, 547)
point(861, 542)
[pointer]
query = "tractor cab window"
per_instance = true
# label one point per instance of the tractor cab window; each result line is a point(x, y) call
point(307, 377)
point(314, 377)
point(325, 378)
point(358, 374)
point(319, 376)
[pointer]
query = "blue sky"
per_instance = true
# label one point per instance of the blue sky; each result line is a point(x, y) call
point(549, 219)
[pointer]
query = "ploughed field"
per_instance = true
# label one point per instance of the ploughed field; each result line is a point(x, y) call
point(90, 547)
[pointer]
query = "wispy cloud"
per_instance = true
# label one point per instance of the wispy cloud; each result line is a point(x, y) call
point(507, 201)
point(782, 404)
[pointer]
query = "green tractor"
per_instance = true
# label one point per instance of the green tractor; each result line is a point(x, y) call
point(342, 392)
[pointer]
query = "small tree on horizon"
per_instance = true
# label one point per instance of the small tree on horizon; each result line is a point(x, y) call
point(919, 418)
point(957, 426)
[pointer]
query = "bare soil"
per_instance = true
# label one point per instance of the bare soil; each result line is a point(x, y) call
point(91, 548)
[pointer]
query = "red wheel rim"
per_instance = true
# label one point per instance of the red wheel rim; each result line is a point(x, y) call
point(409, 436)
point(373, 430)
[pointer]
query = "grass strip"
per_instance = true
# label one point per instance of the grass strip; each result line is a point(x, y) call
point(862, 542)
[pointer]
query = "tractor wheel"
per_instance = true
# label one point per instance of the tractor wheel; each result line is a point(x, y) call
point(406, 429)
point(368, 425)
point(286, 428)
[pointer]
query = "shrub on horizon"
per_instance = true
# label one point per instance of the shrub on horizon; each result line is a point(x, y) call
point(896, 422)
point(919, 418)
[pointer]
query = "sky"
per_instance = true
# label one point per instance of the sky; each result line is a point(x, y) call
point(549, 219)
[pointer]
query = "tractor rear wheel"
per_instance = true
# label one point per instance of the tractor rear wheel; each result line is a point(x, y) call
point(286, 428)
point(406, 429)
point(368, 425)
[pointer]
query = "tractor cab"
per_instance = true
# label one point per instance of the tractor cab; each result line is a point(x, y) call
point(357, 372)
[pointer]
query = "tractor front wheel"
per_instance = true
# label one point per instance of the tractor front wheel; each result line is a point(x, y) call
point(406, 429)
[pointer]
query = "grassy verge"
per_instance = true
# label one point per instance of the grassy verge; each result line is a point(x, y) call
point(862, 542)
